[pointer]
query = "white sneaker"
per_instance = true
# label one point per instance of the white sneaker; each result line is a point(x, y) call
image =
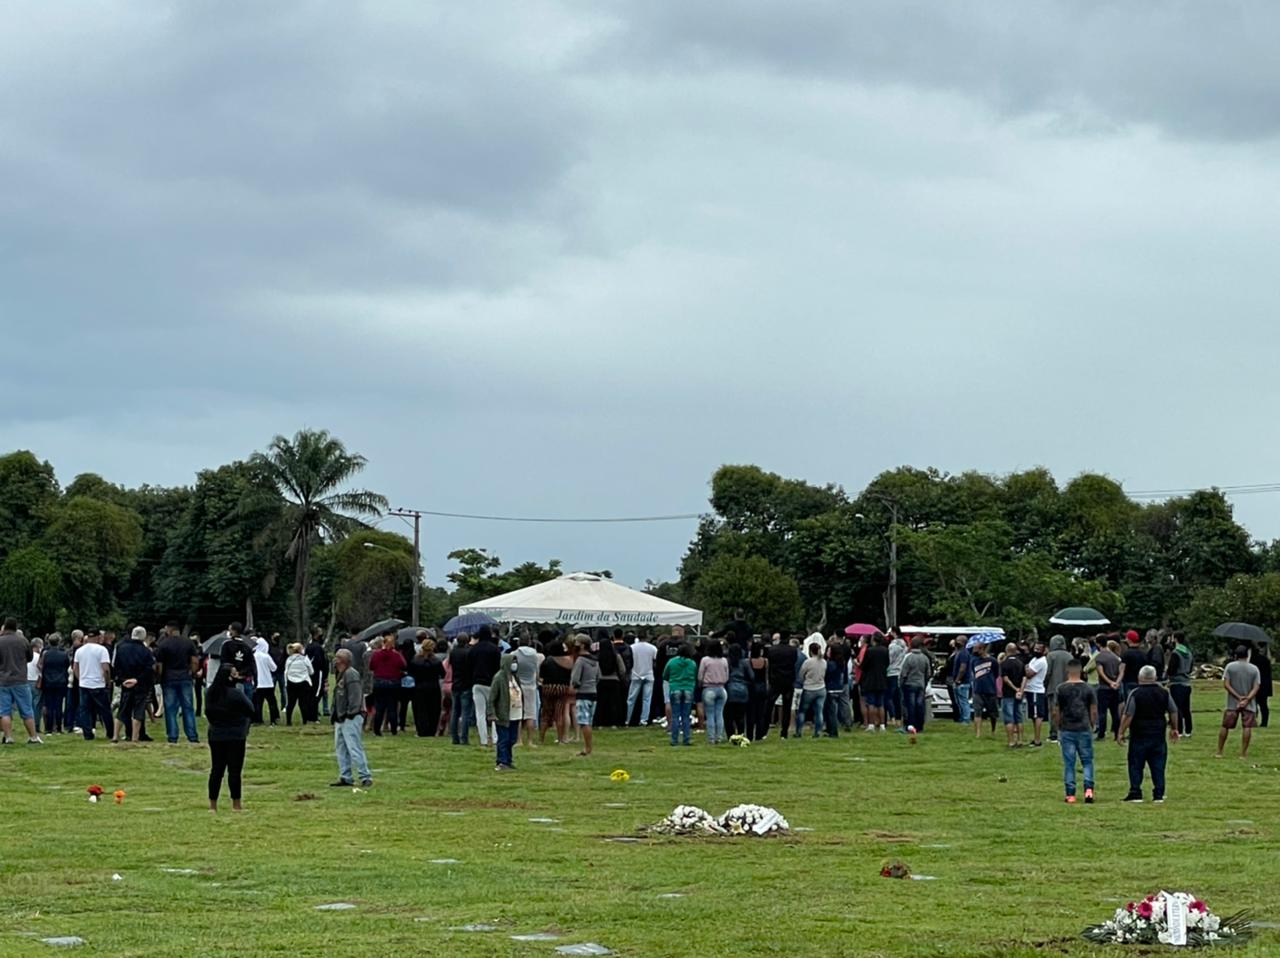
point(883, 729)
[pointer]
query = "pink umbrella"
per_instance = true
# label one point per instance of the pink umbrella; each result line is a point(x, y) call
point(861, 628)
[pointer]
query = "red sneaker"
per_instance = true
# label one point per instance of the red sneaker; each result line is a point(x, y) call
point(1071, 799)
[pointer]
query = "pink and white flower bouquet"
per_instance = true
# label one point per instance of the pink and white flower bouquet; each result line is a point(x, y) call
point(1170, 918)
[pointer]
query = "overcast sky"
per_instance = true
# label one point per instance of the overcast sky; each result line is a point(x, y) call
point(565, 259)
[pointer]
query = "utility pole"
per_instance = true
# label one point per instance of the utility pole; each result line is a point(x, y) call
point(416, 516)
point(893, 566)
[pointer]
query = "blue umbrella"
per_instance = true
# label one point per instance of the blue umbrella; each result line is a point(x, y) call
point(984, 638)
point(467, 624)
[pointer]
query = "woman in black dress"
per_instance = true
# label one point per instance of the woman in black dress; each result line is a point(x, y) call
point(427, 670)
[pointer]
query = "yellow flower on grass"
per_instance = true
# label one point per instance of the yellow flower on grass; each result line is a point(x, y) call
point(620, 775)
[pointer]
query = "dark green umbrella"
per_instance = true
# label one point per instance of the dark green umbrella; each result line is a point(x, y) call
point(1080, 615)
point(1242, 632)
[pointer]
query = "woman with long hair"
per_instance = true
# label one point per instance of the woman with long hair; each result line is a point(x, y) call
point(229, 712)
point(554, 674)
point(426, 670)
point(713, 676)
point(612, 700)
point(741, 679)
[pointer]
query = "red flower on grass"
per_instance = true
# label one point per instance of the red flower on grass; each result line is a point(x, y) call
point(1130, 907)
point(1199, 906)
point(1144, 909)
point(95, 790)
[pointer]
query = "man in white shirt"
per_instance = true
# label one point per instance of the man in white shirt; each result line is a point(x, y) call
point(643, 654)
point(1033, 692)
point(92, 667)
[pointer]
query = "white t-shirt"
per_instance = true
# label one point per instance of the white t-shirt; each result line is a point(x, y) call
point(642, 655)
point(91, 657)
point(33, 669)
point(1035, 674)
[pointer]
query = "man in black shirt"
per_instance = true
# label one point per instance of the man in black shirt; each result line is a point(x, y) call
point(319, 660)
point(782, 656)
point(739, 631)
point(1147, 710)
point(1013, 674)
point(484, 659)
point(134, 671)
point(873, 683)
point(1133, 659)
point(462, 712)
point(176, 663)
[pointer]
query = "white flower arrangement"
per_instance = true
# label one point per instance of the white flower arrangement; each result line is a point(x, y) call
point(739, 820)
point(1170, 918)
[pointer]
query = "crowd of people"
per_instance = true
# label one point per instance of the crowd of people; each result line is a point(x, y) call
point(739, 683)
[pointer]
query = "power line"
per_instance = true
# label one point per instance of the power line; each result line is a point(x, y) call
point(545, 519)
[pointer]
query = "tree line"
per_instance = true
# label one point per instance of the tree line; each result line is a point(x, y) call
point(282, 538)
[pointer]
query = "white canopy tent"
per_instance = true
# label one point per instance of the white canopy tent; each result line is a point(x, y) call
point(584, 600)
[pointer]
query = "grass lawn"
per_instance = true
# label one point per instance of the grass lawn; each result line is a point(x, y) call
point(1018, 872)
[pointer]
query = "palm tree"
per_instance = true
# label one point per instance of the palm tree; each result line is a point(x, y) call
point(308, 472)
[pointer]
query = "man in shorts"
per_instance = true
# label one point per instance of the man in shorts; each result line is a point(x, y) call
point(982, 678)
point(1034, 693)
point(1242, 681)
point(1013, 676)
point(15, 692)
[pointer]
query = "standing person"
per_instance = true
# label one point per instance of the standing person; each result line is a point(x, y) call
point(92, 669)
point(986, 701)
point(585, 682)
point(555, 672)
point(1155, 653)
point(279, 653)
point(680, 677)
point(1147, 710)
point(874, 682)
point(758, 724)
point(134, 668)
point(407, 646)
point(812, 682)
point(265, 689)
point(1075, 716)
point(893, 690)
point(783, 662)
point(643, 655)
point(427, 670)
point(319, 659)
point(611, 700)
point(1258, 656)
point(526, 659)
point(299, 674)
point(913, 679)
point(55, 665)
point(837, 681)
point(347, 716)
point(1057, 660)
point(1110, 669)
point(1179, 664)
point(34, 684)
point(177, 665)
point(713, 676)
point(15, 691)
point(1242, 681)
point(961, 680)
point(197, 677)
point(388, 667)
point(1013, 674)
point(1035, 693)
point(462, 713)
point(485, 660)
point(668, 649)
point(507, 701)
point(741, 678)
point(1133, 658)
point(229, 713)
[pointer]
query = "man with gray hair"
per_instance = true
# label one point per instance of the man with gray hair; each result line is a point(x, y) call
point(347, 716)
point(1147, 710)
point(134, 668)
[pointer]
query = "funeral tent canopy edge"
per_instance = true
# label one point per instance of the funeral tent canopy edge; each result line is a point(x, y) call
point(583, 599)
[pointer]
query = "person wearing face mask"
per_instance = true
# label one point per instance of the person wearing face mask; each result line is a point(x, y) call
point(507, 706)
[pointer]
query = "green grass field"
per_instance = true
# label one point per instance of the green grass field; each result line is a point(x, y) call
point(1018, 872)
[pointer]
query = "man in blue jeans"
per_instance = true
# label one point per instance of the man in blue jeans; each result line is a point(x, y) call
point(348, 722)
point(1075, 714)
point(177, 662)
point(961, 668)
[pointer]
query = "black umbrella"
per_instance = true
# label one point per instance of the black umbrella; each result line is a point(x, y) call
point(1081, 616)
point(410, 633)
point(1242, 632)
point(377, 629)
point(213, 645)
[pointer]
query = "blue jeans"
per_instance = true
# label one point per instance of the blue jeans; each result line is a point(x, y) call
point(641, 688)
point(462, 715)
point(55, 697)
point(913, 706)
point(1076, 745)
point(963, 704)
point(893, 698)
point(811, 703)
point(681, 707)
point(178, 696)
point(96, 704)
point(348, 743)
point(508, 732)
point(831, 711)
point(713, 700)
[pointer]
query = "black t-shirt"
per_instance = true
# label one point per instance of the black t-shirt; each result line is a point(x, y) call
point(1134, 658)
point(1014, 673)
point(782, 664)
point(173, 654)
point(460, 668)
point(319, 660)
point(1075, 699)
point(875, 669)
